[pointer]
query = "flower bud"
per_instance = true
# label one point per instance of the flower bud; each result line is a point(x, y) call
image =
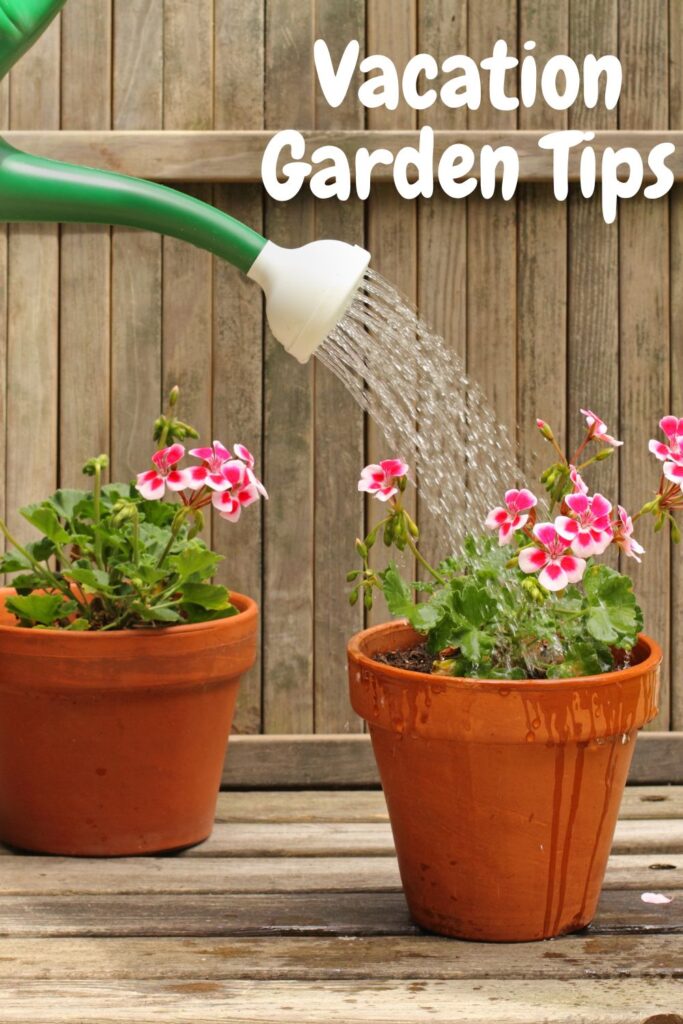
point(412, 527)
point(123, 511)
point(603, 454)
point(675, 532)
point(197, 525)
point(367, 599)
point(361, 548)
point(402, 483)
point(173, 397)
point(92, 465)
point(353, 575)
point(533, 589)
point(545, 430)
point(353, 597)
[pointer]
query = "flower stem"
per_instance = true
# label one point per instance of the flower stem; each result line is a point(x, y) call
point(423, 561)
point(175, 529)
point(97, 504)
point(136, 538)
point(53, 581)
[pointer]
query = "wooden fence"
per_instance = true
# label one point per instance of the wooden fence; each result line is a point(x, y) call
point(551, 308)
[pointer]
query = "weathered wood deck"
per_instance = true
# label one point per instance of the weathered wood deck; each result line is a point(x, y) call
point(292, 912)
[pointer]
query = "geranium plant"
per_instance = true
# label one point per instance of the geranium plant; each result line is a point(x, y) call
point(528, 597)
point(121, 556)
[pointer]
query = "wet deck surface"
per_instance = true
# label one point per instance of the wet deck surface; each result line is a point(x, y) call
point(292, 912)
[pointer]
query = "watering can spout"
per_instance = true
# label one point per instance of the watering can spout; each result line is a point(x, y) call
point(307, 289)
point(22, 22)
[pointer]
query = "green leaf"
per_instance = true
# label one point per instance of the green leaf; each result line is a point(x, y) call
point(159, 513)
point(25, 583)
point(45, 609)
point(92, 579)
point(45, 519)
point(195, 560)
point(474, 643)
point(195, 613)
point(206, 595)
point(397, 593)
point(583, 659)
point(41, 549)
point(111, 493)
point(473, 603)
point(78, 625)
point(65, 502)
point(13, 561)
point(155, 613)
point(613, 615)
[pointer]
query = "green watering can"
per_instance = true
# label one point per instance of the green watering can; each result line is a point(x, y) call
point(307, 289)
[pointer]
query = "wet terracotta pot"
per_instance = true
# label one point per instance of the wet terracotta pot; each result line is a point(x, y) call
point(113, 743)
point(503, 796)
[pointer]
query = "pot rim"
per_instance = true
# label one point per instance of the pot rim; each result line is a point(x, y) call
point(652, 658)
point(247, 610)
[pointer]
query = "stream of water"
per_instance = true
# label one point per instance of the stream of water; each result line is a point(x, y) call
point(430, 412)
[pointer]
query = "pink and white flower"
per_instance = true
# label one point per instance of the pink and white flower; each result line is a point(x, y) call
point(513, 517)
point(673, 471)
point(551, 557)
point(580, 487)
point(244, 454)
point(598, 429)
point(210, 473)
point(152, 484)
point(229, 504)
point(247, 458)
point(623, 535)
point(381, 480)
point(588, 524)
point(672, 427)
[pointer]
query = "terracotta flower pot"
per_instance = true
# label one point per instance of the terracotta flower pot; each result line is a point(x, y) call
point(503, 796)
point(113, 743)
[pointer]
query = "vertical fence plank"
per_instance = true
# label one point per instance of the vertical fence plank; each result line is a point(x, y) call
point(644, 309)
point(339, 430)
point(33, 304)
point(136, 255)
point(187, 291)
point(187, 328)
point(288, 410)
point(542, 262)
point(442, 221)
point(593, 324)
point(676, 323)
point(188, 64)
point(238, 317)
point(85, 314)
point(391, 224)
point(492, 239)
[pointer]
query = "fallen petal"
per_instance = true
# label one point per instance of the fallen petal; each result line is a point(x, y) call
point(655, 897)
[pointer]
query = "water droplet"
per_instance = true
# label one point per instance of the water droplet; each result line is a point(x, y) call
point(530, 737)
point(403, 374)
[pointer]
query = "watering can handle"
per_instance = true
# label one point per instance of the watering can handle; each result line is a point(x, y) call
point(22, 22)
